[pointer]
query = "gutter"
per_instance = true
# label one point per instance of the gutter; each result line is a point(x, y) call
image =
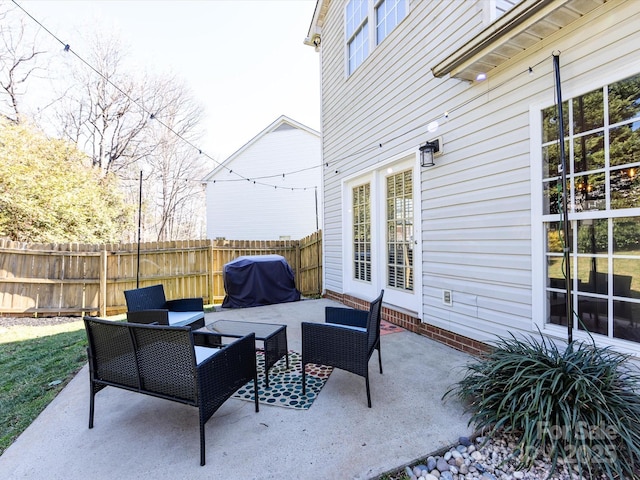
point(520, 15)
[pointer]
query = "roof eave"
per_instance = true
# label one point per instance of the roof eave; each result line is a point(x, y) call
point(466, 62)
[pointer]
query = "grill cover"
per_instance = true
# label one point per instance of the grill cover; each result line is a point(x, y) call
point(251, 281)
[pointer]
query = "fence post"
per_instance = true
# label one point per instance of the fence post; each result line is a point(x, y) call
point(103, 283)
point(212, 277)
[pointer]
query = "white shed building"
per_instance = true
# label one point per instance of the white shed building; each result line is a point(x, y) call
point(270, 188)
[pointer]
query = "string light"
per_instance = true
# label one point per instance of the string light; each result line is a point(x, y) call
point(431, 124)
point(152, 116)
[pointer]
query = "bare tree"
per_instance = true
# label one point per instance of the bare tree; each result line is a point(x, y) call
point(18, 61)
point(108, 112)
point(176, 167)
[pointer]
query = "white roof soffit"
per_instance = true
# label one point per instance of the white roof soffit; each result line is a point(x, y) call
point(526, 24)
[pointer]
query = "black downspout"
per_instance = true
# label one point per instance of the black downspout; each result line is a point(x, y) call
point(564, 213)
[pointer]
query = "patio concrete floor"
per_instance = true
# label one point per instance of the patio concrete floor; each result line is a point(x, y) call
point(137, 436)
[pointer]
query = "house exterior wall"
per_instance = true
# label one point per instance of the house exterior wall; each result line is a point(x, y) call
point(479, 234)
point(241, 209)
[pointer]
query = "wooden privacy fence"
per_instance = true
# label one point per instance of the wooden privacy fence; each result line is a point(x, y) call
point(76, 279)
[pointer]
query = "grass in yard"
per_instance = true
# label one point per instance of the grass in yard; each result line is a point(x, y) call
point(35, 364)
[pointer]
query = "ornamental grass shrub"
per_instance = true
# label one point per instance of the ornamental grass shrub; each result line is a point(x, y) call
point(580, 404)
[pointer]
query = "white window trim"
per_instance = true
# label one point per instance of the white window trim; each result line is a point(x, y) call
point(376, 176)
point(538, 260)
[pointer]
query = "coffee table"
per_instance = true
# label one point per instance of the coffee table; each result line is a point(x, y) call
point(273, 336)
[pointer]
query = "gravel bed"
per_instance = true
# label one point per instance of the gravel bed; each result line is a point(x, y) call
point(485, 459)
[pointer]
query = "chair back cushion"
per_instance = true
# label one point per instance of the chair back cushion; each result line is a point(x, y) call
point(373, 321)
point(145, 298)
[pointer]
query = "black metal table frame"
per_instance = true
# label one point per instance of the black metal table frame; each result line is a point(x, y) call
point(273, 336)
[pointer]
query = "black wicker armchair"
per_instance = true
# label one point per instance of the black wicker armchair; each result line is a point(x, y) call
point(346, 340)
point(149, 305)
point(163, 361)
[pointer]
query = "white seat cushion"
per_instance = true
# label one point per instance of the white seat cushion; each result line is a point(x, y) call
point(202, 353)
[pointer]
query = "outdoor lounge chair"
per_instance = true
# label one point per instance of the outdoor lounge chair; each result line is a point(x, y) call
point(346, 340)
point(149, 305)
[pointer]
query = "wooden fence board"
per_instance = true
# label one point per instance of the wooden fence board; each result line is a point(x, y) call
point(78, 279)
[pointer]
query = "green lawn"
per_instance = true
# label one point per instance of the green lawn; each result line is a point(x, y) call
point(35, 364)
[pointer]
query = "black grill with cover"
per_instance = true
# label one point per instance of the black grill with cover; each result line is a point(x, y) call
point(252, 281)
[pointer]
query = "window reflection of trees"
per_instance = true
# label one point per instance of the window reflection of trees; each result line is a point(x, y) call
point(602, 176)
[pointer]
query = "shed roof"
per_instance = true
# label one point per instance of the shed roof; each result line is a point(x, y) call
point(281, 123)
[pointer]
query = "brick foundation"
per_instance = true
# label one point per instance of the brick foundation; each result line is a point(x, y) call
point(413, 324)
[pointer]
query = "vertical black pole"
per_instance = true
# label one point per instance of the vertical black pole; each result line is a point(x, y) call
point(565, 213)
point(316, 194)
point(139, 224)
point(319, 245)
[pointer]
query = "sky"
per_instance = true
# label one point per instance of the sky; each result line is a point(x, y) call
point(244, 60)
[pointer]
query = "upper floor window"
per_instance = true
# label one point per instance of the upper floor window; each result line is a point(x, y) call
point(360, 36)
point(388, 14)
point(357, 33)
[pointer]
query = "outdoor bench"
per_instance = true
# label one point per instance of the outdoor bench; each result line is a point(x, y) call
point(149, 305)
point(163, 361)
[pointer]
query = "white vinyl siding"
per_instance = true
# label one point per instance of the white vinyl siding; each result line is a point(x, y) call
point(476, 202)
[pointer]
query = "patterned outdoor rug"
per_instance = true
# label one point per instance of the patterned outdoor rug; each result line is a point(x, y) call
point(388, 327)
point(285, 386)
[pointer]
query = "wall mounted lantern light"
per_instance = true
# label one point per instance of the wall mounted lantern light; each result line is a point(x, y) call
point(427, 152)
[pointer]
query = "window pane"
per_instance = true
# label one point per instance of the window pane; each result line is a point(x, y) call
point(626, 277)
point(626, 316)
point(589, 192)
point(550, 122)
point(624, 100)
point(361, 233)
point(554, 237)
point(399, 191)
point(588, 112)
point(551, 166)
point(555, 272)
point(593, 313)
point(625, 188)
point(624, 144)
point(592, 274)
point(557, 312)
point(593, 236)
point(626, 235)
point(551, 198)
point(588, 152)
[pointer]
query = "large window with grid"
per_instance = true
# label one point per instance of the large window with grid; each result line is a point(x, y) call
point(362, 232)
point(602, 148)
point(400, 230)
point(357, 33)
point(388, 14)
point(363, 35)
